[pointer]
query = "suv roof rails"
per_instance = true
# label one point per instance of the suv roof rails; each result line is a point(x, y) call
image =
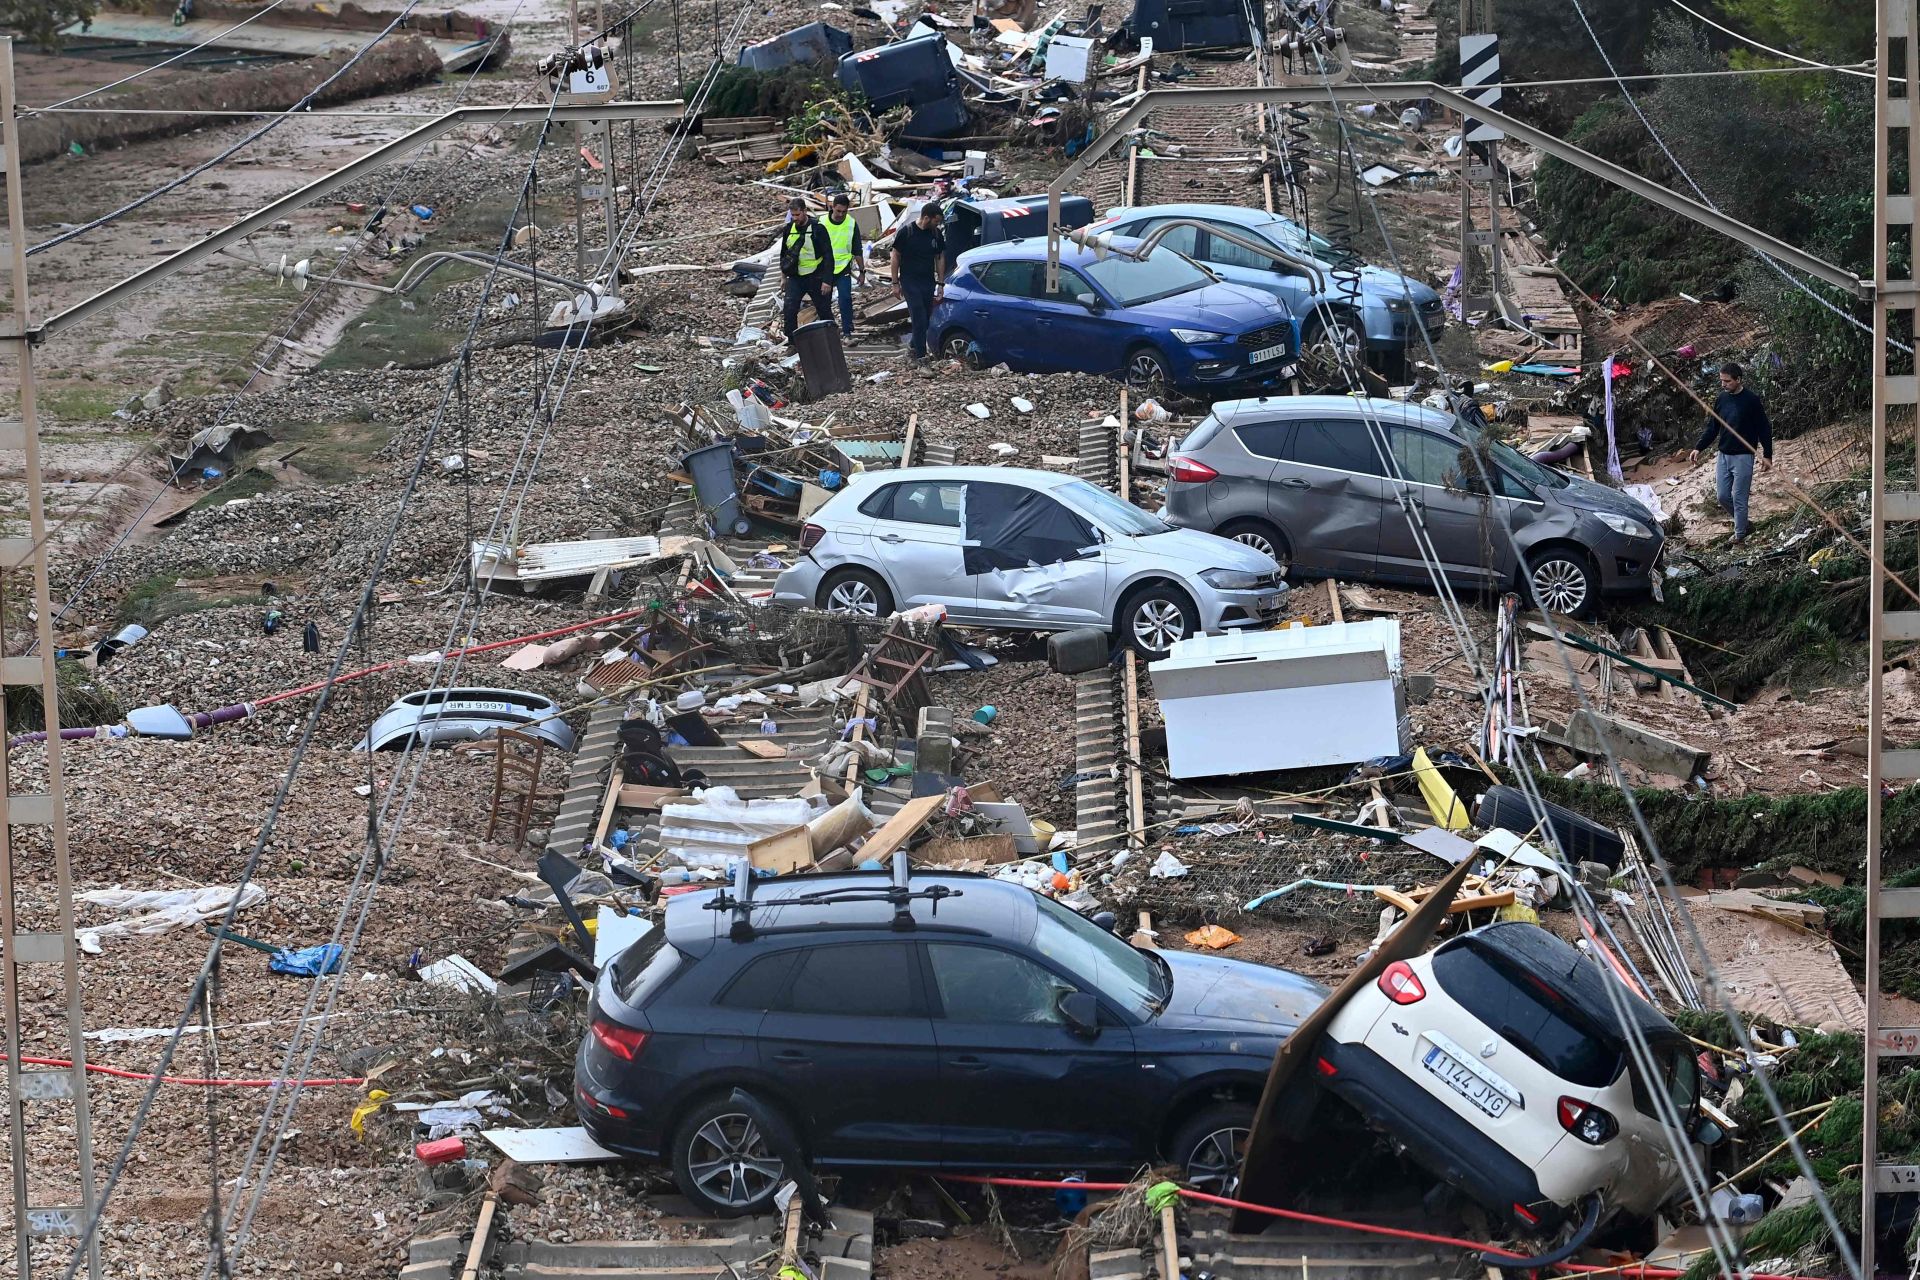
point(899, 891)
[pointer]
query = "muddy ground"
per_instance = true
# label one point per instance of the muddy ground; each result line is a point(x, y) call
point(296, 527)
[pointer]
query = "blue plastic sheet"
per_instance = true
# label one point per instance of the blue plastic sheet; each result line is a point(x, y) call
point(307, 962)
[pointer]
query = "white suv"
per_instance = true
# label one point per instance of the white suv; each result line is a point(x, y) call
point(1498, 1063)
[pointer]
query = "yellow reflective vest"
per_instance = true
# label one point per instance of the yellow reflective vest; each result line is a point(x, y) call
point(841, 234)
point(809, 259)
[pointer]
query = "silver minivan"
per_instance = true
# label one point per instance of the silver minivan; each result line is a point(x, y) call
point(1028, 550)
point(1310, 481)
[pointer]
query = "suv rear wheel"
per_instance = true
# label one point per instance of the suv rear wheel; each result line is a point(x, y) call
point(723, 1162)
point(1208, 1147)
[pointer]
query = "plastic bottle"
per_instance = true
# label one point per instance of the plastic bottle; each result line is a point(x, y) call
point(1069, 1201)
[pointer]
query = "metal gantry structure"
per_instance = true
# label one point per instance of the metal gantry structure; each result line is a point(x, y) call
point(1895, 394)
point(47, 1113)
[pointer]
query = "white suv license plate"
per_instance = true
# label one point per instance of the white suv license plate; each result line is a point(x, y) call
point(1464, 1082)
point(1267, 353)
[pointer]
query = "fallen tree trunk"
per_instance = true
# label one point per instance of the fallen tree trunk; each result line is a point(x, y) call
point(391, 65)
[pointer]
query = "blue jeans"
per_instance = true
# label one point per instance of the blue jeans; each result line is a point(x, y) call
point(919, 296)
point(843, 290)
point(1733, 474)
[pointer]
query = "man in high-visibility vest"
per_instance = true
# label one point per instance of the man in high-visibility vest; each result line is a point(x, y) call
point(806, 265)
point(847, 258)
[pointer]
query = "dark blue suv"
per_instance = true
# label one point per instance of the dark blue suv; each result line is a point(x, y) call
point(969, 1025)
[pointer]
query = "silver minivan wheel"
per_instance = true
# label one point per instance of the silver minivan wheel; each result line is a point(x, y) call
point(1561, 584)
point(1259, 542)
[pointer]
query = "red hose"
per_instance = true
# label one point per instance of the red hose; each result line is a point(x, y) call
point(143, 1075)
point(451, 653)
point(1629, 1272)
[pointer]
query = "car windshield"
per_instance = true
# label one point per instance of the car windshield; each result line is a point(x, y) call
point(1133, 281)
point(1525, 469)
point(1291, 236)
point(1118, 970)
point(1109, 512)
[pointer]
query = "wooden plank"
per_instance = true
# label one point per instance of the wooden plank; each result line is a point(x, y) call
point(861, 701)
point(1169, 1250)
point(637, 796)
point(906, 448)
point(608, 803)
point(791, 850)
point(1407, 902)
point(482, 1231)
point(1136, 797)
point(899, 829)
point(761, 748)
point(1333, 598)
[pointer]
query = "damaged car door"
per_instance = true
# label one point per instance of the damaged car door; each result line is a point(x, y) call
point(1020, 1084)
point(917, 544)
point(1327, 495)
point(1032, 560)
point(1468, 529)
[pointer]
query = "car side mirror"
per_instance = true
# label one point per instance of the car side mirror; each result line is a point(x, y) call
point(1106, 920)
point(1089, 301)
point(1082, 1014)
point(1708, 1133)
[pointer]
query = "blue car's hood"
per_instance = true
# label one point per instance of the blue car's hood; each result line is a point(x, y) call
point(1226, 308)
point(1383, 284)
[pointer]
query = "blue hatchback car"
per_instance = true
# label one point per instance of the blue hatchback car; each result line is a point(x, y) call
point(1157, 321)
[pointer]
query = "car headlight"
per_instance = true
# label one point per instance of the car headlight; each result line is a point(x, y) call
point(1399, 304)
point(1233, 579)
point(1198, 335)
point(1624, 525)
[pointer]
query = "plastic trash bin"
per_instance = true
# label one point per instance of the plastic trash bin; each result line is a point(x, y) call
point(823, 361)
point(713, 484)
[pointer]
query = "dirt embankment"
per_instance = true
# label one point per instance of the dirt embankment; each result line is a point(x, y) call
point(388, 67)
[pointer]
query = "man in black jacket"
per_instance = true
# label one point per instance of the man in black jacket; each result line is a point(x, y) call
point(1739, 423)
point(806, 266)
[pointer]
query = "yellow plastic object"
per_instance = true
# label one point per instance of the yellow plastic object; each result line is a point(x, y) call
point(1447, 809)
point(1517, 911)
point(358, 1122)
point(792, 158)
point(1498, 366)
point(1213, 937)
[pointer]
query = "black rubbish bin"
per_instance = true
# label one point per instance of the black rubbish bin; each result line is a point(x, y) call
point(823, 361)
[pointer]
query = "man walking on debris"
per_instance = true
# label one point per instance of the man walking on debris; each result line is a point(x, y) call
point(806, 266)
point(847, 256)
point(1739, 422)
point(918, 252)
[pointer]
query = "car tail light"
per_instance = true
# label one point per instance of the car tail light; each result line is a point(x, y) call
point(1325, 1068)
point(1185, 470)
point(1400, 984)
point(810, 535)
point(622, 1042)
point(1592, 1125)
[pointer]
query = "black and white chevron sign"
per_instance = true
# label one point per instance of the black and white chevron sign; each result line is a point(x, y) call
point(1480, 80)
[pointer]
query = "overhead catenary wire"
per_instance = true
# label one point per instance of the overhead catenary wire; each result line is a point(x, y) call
point(1769, 50)
point(573, 354)
point(259, 367)
point(1707, 200)
point(304, 744)
point(1725, 1247)
point(1695, 1177)
point(174, 184)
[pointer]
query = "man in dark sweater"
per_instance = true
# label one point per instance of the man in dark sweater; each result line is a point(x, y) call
point(1739, 423)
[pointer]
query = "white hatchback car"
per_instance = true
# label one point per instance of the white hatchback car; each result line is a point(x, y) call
point(1498, 1063)
point(1033, 550)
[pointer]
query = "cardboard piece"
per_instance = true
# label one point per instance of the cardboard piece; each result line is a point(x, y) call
point(791, 850)
point(570, 1145)
point(614, 932)
point(762, 748)
point(634, 795)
